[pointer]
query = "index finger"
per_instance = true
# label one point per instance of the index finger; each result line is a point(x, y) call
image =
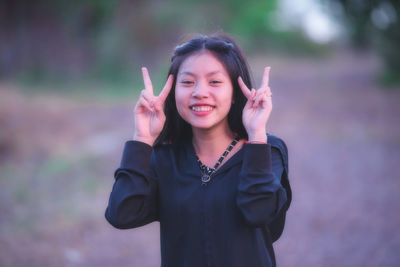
point(245, 90)
point(147, 82)
point(167, 88)
point(265, 79)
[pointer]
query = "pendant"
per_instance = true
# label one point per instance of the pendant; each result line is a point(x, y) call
point(205, 178)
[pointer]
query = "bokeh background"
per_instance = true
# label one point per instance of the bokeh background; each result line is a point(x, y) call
point(69, 79)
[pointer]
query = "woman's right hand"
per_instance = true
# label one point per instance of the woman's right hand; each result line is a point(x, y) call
point(149, 113)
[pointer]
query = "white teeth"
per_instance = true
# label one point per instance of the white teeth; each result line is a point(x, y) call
point(202, 108)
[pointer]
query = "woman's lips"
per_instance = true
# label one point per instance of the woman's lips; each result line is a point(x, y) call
point(202, 110)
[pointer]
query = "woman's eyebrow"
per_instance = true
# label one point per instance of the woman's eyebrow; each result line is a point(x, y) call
point(186, 73)
point(215, 72)
point(207, 74)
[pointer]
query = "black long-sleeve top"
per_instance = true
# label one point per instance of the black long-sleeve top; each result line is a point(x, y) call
point(224, 223)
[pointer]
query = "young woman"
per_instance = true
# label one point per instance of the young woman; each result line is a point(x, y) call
point(202, 164)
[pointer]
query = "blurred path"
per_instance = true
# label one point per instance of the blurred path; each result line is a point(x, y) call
point(344, 140)
point(57, 159)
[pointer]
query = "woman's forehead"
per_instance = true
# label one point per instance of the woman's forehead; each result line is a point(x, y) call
point(202, 63)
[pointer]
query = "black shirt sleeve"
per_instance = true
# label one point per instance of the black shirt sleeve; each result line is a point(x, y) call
point(133, 200)
point(260, 192)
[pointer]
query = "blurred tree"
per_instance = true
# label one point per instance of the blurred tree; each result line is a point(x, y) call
point(67, 40)
point(376, 24)
point(45, 37)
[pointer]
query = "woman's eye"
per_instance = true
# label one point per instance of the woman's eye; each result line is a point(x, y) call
point(186, 82)
point(215, 82)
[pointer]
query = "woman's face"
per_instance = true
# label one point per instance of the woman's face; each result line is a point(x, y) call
point(203, 91)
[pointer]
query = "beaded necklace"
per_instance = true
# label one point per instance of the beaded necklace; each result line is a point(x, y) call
point(206, 171)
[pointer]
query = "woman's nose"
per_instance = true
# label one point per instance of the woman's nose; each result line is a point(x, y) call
point(200, 90)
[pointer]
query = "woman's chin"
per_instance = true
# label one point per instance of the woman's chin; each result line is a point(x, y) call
point(208, 126)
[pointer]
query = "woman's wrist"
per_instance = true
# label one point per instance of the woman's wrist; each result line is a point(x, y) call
point(256, 142)
point(149, 141)
point(259, 138)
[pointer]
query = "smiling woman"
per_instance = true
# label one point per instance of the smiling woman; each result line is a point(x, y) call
point(202, 163)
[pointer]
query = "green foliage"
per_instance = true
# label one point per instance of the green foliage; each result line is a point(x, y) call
point(250, 19)
point(55, 166)
point(83, 16)
point(375, 24)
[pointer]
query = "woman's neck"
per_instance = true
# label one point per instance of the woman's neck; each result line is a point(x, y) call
point(210, 144)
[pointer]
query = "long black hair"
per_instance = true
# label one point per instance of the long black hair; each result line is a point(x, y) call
point(229, 54)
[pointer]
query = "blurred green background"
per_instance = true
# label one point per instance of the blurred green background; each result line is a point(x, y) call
point(69, 78)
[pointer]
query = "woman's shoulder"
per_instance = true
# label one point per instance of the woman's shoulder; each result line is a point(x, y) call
point(279, 145)
point(166, 157)
point(162, 147)
point(170, 150)
point(277, 142)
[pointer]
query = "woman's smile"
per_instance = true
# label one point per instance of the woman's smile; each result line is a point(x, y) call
point(202, 109)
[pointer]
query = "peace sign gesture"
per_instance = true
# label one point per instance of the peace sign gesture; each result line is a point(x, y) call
point(149, 114)
point(257, 109)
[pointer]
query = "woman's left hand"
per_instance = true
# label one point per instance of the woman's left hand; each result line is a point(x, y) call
point(257, 109)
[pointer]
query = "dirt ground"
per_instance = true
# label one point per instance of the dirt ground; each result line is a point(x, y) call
point(58, 154)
